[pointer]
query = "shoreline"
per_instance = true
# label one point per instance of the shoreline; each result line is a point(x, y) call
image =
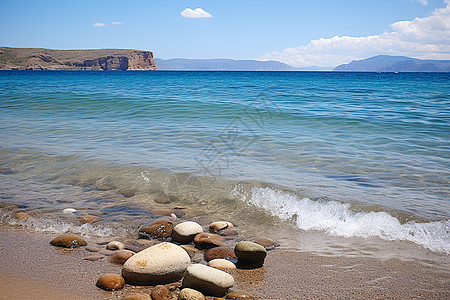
point(30, 261)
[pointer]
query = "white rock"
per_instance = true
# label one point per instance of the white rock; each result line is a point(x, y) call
point(190, 294)
point(220, 225)
point(186, 231)
point(115, 245)
point(207, 280)
point(221, 264)
point(69, 210)
point(162, 263)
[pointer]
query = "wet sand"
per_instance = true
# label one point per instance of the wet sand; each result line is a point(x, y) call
point(31, 268)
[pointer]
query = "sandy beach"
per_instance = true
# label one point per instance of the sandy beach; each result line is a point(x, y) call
point(31, 268)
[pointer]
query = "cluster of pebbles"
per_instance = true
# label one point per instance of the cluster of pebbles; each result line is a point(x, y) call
point(182, 261)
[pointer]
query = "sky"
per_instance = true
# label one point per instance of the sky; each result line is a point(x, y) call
point(298, 32)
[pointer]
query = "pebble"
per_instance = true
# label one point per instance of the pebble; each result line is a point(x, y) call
point(127, 192)
point(68, 240)
point(138, 296)
point(115, 245)
point(191, 294)
point(121, 256)
point(220, 252)
point(92, 249)
point(161, 228)
point(220, 225)
point(22, 215)
point(161, 263)
point(207, 280)
point(249, 252)
point(229, 232)
point(111, 282)
point(89, 219)
point(163, 212)
point(161, 292)
point(69, 210)
point(238, 295)
point(267, 243)
point(207, 240)
point(94, 257)
point(186, 231)
point(162, 200)
point(221, 264)
point(190, 249)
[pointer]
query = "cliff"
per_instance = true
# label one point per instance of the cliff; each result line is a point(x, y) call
point(99, 59)
point(386, 63)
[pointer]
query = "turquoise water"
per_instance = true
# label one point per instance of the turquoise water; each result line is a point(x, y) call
point(369, 143)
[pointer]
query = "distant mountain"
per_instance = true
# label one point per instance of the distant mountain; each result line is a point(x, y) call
point(386, 63)
point(182, 64)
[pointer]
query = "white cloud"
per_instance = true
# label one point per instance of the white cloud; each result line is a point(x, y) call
point(117, 23)
point(427, 37)
point(98, 24)
point(424, 2)
point(195, 13)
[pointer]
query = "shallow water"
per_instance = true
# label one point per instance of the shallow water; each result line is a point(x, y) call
point(370, 150)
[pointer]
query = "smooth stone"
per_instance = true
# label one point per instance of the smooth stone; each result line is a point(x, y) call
point(138, 296)
point(161, 228)
point(69, 210)
point(161, 292)
point(267, 243)
point(162, 200)
point(68, 240)
point(22, 215)
point(161, 263)
point(229, 232)
point(238, 295)
point(92, 249)
point(115, 245)
point(121, 256)
point(220, 225)
point(220, 252)
point(186, 231)
point(94, 257)
point(111, 282)
point(127, 192)
point(191, 294)
point(221, 264)
point(207, 240)
point(162, 212)
point(89, 219)
point(190, 249)
point(249, 252)
point(207, 280)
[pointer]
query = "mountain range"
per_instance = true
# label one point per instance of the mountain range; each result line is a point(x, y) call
point(220, 65)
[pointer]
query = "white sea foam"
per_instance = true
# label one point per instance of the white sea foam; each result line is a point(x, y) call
point(337, 219)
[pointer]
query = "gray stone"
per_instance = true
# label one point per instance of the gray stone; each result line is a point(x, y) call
point(186, 231)
point(250, 253)
point(207, 280)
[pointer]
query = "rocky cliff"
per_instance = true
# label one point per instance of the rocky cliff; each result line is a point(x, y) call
point(99, 59)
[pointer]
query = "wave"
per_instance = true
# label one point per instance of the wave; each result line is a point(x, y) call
point(338, 219)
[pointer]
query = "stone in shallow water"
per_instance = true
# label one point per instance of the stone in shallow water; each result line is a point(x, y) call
point(267, 243)
point(121, 256)
point(68, 240)
point(89, 219)
point(162, 200)
point(220, 225)
point(94, 257)
point(207, 240)
point(191, 294)
point(238, 295)
point(186, 231)
point(22, 215)
point(220, 252)
point(161, 292)
point(250, 253)
point(207, 280)
point(111, 282)
point(162, 263)
point(69, 210)
point(115, 245)
point(161, 228)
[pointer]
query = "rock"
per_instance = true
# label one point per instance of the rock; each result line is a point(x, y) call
point(115, 245)
point(127, 192)
point(22, 215)
point(207, 240)
point(207, 280)
point(161, 228)
point(220, 225)
point(69, 210)
point(138, 296)
point(190, 294)
point(161, 263)
point(111, 282)
point(89, 219)
point(92, 249)
point(68, 240)
point(220, 252)
point(186, 231)
point(161, 292)
point(94, 257)
point(250, 253)
point(180, 207)
point(163, 212)
point(191, 250)
point(221, 264)
point(162, 200)
point(228, 232)
point(173, 286)
point(238, 295)
point(267, 243)
point(121, 256)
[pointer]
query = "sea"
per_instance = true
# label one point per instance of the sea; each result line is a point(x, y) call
point(332, 163)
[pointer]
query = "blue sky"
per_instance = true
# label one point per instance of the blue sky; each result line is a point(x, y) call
point(298, 32)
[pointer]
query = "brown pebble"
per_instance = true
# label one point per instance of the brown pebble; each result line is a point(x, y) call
point(161, 228)
point(94, 257)
point(138, 296)
point(92, 249)
point(229, 232)
point(190, 249)
point(160, 292)
point(127, 192)
point(162, 212)
point(173, 286)
point(68, 240)
point(207, 240)
point(220, 252)
point(180, 207)
point(238, 295)
point(267, 243)
point(162, 200)
point(22, 215)
point(115, 245)
point(89, 219)
point(111, 282)
point(120, 257)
